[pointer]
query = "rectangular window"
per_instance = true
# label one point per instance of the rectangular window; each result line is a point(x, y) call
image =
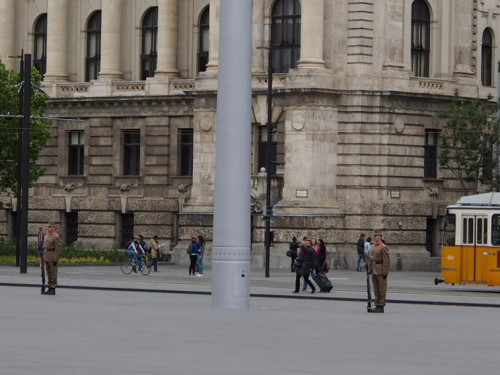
point(430, 153)
point(75, 153)
point(262, 151)
point(131, 152)
point(186, 152)
point(449, 230)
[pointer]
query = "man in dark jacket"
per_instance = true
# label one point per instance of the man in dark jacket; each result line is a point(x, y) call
point(304, 263)
point(294, 249)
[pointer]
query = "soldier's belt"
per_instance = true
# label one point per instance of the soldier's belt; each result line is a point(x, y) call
point(379, 262)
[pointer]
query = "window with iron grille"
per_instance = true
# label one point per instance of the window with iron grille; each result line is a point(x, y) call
point(285, 35)
point(149, 40)
point(203, 46)
point(420, 38)
point(487, 58)
point(76, 153)
point(430, 153)
point(40, 44)
point(71, 227)
point(131, 152)
point(93, 59)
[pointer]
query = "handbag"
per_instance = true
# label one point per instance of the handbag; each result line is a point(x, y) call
point(289, 253)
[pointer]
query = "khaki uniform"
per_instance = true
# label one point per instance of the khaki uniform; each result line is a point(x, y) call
point(53, 247)
point(380, 263)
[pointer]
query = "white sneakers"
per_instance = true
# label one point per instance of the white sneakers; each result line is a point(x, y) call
point(199, 274)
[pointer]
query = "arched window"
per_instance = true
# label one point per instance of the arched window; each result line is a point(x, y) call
point(487, 58)
point(40, 44)
point(93, 59)
point(149, 36)
point(420, 38)
point(285, 35)
point(204, 40)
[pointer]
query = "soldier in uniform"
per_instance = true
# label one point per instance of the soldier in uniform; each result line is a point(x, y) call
point(380, 263)
point(53, 244)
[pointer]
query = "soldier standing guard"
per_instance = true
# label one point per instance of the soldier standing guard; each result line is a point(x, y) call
point(53, 245)
point(380, 263)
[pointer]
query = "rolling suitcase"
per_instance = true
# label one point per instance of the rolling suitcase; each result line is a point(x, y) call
point(324, 283)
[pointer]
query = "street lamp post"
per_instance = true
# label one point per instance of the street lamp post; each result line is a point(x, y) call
point(25, 165)
point(270, 131)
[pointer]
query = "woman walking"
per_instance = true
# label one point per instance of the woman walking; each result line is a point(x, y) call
point(304, 264)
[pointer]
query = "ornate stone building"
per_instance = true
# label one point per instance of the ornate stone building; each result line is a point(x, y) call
point(357, 90)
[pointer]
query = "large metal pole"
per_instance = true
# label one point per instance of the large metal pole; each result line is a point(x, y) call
point(231, 246)
point(25, 165)
point(267, 237)
point(19, 152)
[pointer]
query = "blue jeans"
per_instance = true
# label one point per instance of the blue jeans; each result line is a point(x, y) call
point(136, 258)
point(200, 265)
point(361, 256)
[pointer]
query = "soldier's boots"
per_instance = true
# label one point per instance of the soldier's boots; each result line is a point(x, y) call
point(51, 292)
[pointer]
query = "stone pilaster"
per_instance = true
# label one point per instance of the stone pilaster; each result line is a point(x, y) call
point(393, 26)
point(310, 162)
point(213, 53)
point(168, 14)
point(57, 49)
point(311, 34)
point(463, 39)
point(111, 40)
point(7, 33)
point(203, 188)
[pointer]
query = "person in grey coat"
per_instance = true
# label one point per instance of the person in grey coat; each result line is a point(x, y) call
point(304, 263)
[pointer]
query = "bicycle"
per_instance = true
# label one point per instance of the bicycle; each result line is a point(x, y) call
point(127, 265)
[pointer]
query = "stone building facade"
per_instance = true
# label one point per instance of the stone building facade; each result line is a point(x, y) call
point(357, 91)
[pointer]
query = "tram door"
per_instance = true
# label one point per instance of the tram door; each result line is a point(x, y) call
point(474, 238)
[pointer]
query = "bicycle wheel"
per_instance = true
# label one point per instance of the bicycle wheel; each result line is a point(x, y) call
point(146, 268)
point(126, 266)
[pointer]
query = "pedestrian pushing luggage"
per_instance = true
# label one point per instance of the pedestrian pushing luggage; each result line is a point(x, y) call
point(323, 282)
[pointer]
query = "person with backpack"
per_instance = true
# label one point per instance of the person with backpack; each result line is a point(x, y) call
point(193, 251)
point(136, 250)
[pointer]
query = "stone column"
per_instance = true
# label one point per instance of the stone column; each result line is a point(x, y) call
point(213, 53)
point(168, 14)
point(7, 33)
point(111, 21)
point(57, 49)
point(311, 34)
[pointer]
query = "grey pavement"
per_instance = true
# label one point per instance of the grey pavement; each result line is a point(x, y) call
point(167, 326)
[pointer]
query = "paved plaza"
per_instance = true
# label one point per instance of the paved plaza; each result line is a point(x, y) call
point(169, 327)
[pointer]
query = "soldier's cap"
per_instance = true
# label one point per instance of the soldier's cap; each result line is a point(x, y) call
point(52, 224)
point(137, 238)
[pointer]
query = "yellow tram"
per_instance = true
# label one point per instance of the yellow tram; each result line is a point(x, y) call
point(471, 243)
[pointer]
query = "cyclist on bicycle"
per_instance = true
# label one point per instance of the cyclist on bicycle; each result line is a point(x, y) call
point(136, 251)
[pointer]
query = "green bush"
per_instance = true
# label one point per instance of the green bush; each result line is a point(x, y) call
point(74, 253)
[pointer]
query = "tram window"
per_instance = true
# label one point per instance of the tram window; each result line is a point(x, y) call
point(479, 231)
point(495, 233)
point(449, 230)
point(471, 230)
